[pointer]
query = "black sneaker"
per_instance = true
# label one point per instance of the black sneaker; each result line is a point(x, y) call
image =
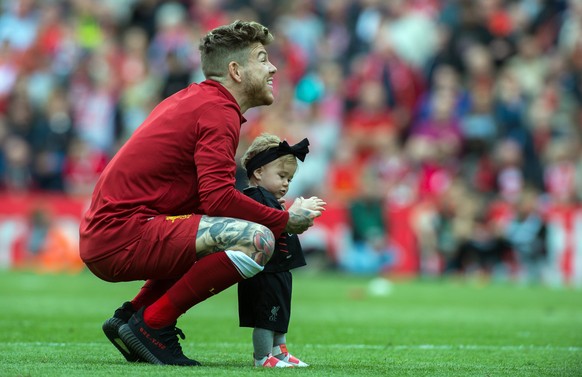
point(111, 330)
point(157, 346)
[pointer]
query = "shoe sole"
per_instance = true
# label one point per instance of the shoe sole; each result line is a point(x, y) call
point(136, 346)
point(111, 329)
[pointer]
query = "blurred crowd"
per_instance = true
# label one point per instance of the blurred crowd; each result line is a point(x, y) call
point(467, 110)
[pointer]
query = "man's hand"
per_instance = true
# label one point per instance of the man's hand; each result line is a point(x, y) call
point(302, 213)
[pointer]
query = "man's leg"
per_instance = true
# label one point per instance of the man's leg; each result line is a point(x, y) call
point(151, 291)
point(249, 246)
point(207, 277)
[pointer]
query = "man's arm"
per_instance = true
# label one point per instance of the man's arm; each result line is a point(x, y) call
point(214, 157)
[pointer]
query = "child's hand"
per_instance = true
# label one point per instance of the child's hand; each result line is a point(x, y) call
point(282, 203)
point(301, 214)
point(313, 204)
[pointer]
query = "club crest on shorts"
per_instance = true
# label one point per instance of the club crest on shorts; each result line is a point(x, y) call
point(179, 217)
point(274, 312)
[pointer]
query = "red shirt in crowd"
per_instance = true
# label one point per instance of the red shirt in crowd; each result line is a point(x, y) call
point(181, 160)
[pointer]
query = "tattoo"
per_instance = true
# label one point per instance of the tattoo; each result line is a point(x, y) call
point(223, 233)
point(264, 244)
point(299, 221)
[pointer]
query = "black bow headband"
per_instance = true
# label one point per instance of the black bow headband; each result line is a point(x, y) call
point(298, 150)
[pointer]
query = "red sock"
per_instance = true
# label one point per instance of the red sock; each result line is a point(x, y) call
point(161, 313)
point(207, 277)
point(151, 291)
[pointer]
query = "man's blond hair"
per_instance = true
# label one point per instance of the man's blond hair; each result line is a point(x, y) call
point(228, 43)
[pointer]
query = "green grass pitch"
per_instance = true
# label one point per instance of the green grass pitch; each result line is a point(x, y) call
point(50, 325)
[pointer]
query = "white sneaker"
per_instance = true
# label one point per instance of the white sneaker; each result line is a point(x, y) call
point(289, 359)
point(270, 361)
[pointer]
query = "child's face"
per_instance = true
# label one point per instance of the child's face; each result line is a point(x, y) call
point(276, 176)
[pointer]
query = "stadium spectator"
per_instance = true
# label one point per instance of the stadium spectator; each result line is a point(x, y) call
point(484, 252)
point(82, 167)
point(369, 252)
point(370, 124)
point(526, 232)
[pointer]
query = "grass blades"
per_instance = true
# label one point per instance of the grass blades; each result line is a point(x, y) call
point(50, 325)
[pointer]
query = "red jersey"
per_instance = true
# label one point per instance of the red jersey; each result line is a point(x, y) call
point(181, 160)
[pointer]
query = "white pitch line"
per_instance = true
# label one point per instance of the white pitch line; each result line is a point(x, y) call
point(445, 347)
point(428, 347)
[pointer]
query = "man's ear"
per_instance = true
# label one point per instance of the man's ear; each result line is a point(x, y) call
point(234, 70)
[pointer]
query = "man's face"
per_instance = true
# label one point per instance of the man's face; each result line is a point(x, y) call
point(258, 77)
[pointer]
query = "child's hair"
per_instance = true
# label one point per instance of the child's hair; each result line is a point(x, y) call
point(230, 42)
point(262, 143)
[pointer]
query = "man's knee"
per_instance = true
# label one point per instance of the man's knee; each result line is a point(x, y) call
point(223, 233)
point(262, 245)
point(254, 253)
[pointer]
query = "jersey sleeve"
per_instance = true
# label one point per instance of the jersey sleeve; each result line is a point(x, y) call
point(214, 157)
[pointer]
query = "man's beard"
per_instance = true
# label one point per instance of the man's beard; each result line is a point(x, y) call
point(257, 94)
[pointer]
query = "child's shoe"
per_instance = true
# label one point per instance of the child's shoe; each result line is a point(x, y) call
point(282, 354)
point(271, 362)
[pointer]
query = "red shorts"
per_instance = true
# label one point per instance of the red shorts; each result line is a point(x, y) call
point(166, 250)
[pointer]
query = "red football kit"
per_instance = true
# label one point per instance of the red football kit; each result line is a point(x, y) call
point(178, 165)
